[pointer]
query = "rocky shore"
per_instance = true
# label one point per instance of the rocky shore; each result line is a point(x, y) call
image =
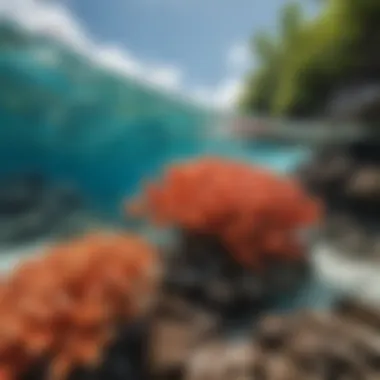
point(347, 179)
point(339, 344)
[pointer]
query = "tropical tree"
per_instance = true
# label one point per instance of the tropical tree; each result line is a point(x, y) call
point(312, 59)
point(270, 53)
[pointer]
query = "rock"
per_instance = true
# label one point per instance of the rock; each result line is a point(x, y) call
point(355, 102)
point(285, 276)
point(306, 349)
point(354, 243)
point(272, 332)
point(281, 368)
point(350, 238)
point(337, 226)
point(211, 277)
point(365, 184)
point(360, 312)
point(365, 152)
point(323, 345)
point(327, 173)
point(340, 360)
point(347, 180)
point(20, 193)
point(223, 360)
point(220, 293)
point(376, 249)
point(176, 330)
point(31, 208)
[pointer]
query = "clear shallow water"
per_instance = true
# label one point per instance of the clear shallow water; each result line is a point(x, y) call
point(69, 119)
point(72, 121)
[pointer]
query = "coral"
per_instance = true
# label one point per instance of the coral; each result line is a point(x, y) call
point(65, 306)
point(255, 213)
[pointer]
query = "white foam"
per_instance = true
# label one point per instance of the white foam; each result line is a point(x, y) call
point(352, 276)
point(11, 257)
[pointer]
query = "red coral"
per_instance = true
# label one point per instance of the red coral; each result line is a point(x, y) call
point(65, 305)
point(254, 212)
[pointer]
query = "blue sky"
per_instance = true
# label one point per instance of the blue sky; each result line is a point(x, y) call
point(196, 46)
point(195, 35)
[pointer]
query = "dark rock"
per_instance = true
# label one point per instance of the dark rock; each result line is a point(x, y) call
point(365, 184)
point(354, 243)
point(365, 152)
point(347, 179)
point(339, 225)
point(32, 208)
point(121, 360)
point(205, 273)
point(327, 173)
point(20, 193)
point(271, 332)
point(220, 293)
point(376, 248)
point(340, 360)
point(285, 276)
point(360, 312)
point(355, 102)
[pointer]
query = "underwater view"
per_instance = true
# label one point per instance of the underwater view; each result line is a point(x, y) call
point(82, 126)
point(151, 233)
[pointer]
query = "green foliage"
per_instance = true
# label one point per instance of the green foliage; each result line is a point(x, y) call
point(299, 69)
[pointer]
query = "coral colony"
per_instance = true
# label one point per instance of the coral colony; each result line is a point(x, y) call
point(252, 211)
point(65, 306)
point(102, 307)
point(245, 215)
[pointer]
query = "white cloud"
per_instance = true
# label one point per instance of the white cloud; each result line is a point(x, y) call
point(239, 57)
point(49, 18)
point(167, 76)
point(226, 93)
point(56, 20)
point(224, 96)
point(118, 60)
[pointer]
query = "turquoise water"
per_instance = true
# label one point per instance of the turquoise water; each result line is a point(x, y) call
point(72, 120)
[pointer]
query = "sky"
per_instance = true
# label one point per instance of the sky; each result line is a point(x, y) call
point(198, 47)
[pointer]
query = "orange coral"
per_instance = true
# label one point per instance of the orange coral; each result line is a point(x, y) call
point(65, 305)
point(254, 212)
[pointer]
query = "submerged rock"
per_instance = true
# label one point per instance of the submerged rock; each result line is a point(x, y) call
point(365, 184)
point(20, 193)
point(175, 330)
point(30, 207)
point(342, 344)
point(204, 272)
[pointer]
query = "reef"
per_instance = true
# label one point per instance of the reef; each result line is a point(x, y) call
point(236, 224)
point(341, 344)
point(61, 312)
